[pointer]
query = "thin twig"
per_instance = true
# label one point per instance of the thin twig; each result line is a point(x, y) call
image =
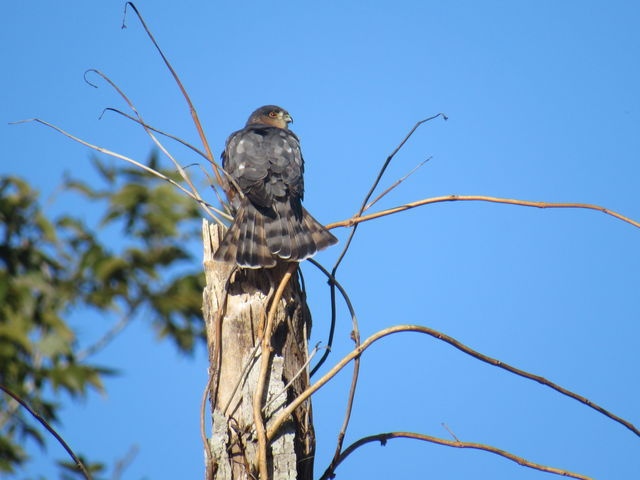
point(236, 439)
point(332, 326)
point(384, 437)
point(446, 427)
point(395, 184)
point(192, 109)
point(109, 335)
point(264, 370)
point(28, 388)
point(123, 463)
point(51, 430)
point(225, 205)
point(282, 417)
point(482, 198)
point(347, 415)
point(134, 162)
point(146, 125)
point(293, 379)
point(339, 286)
point(179, 168)
point(186, 144)
point(203, 434)
point(245, 371)
point(333, 283)
point(379, 177)
point(356, 366)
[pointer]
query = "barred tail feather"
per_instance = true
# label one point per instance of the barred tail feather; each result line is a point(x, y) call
point(285, 218)
point(321, 237)
point(258, 237)
point(260, 254)
point(294, 235)
point(305, 246)
point(277, 229)
point(245, 243)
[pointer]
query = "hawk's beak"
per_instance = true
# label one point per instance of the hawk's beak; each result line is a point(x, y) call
point(287, 118)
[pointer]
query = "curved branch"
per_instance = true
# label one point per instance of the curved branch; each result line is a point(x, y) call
point(482, 198)
point(333, 283)
point(273, 429)
point(384, 437)
point(51, 430)
point(355, 335)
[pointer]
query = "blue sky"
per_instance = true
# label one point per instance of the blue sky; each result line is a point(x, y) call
point(544, 104)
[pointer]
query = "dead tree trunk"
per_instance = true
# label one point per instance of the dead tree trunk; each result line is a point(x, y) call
point(236, 302)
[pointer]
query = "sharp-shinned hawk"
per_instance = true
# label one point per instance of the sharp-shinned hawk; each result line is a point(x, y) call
point(270, 223)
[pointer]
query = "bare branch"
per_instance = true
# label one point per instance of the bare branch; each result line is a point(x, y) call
point(395, 184)
point(347, 415)
point(203, 434)
point(446, 427)
point(134, 162)
point(245, 371)
point(393, 154)
point(124, 462)
point(453, 198)
point(353, 232)
point(384, 437)
point(355, 335)
point(186, 144)
point(50, 429)
point(332, 281)
point(273, 429)
point(108, 336)
point(293, 379)
point(377, 181)
point(192, 109)
point(146, 125)
point(179, 168)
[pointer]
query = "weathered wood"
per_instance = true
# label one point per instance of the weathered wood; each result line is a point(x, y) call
point(237, 300)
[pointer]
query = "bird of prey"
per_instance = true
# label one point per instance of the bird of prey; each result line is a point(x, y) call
point(270, 224)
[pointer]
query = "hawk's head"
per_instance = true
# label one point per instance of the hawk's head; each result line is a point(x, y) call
point(270, 115)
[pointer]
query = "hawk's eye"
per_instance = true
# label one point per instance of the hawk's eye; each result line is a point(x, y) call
point(273, 114)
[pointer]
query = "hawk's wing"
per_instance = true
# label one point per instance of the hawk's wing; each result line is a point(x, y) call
point(267, 164)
